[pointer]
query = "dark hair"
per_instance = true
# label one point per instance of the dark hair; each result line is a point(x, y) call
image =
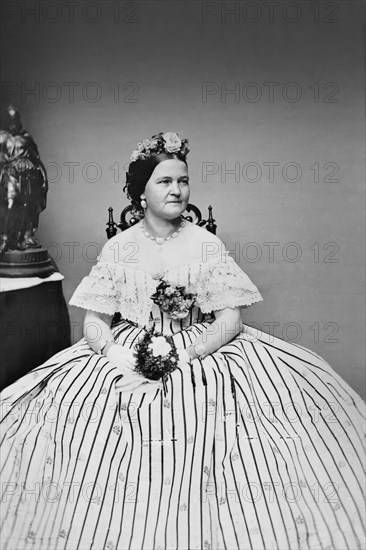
point(139, 173)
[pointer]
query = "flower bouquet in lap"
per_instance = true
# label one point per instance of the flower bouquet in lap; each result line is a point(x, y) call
point(156, 354)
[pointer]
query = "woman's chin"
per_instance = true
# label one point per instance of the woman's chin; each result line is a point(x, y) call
point(174, 209)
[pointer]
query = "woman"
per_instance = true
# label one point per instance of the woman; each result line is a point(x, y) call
point(244, 442)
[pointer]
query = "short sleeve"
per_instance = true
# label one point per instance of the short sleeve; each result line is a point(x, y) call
point(98, 291)
point(224, 284)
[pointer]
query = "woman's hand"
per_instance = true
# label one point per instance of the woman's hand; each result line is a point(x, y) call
point(121, 357)
point(131, 381)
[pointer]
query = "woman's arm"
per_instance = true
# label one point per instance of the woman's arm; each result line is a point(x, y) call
point(98, 334)
point(97, 328)
point(226, 326)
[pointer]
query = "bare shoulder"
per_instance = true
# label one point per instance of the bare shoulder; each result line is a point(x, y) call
point(116, 248)
point(202, 234)
point(203, 241)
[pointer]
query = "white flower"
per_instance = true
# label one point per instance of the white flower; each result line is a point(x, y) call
point(135, 156)
point(172, 142)
point(159, 346)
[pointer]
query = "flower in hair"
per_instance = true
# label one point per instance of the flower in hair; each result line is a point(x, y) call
point(169, 142)
point(172, 142)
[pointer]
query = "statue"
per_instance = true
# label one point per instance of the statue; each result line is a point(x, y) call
point(23, 196)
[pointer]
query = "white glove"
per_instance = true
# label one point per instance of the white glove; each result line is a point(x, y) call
point(131, 381)
point(136, 383)
point(121, 357)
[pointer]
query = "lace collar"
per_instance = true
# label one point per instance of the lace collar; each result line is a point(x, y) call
point(198, 262)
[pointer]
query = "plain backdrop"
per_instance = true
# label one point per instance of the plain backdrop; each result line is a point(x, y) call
point(280, 158)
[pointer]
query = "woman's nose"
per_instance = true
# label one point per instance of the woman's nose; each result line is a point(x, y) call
point(175, 189)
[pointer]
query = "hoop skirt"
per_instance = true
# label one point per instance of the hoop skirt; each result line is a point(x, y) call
point(259, 445)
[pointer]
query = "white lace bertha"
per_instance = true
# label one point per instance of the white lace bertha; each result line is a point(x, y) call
point(116, 287)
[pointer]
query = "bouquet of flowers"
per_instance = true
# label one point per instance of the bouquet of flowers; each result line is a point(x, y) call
point(156, 356)
point(175, 300)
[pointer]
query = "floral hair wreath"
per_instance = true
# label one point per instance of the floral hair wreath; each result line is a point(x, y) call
point(169, 142)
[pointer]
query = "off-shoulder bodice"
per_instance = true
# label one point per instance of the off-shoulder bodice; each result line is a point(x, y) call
point(117, 287)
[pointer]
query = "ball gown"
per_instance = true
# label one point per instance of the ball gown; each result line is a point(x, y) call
point(259, 445)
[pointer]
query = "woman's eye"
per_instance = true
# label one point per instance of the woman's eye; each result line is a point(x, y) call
point(168, 182)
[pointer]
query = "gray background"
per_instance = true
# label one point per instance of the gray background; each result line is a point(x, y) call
point(161, 55)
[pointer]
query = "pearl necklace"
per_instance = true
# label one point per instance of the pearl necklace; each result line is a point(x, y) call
point(160, 241)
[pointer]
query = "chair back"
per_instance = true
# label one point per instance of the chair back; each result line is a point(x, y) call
point(131, 215)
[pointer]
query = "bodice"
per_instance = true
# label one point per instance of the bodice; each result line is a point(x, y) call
point(164, 323)
point(113, 287)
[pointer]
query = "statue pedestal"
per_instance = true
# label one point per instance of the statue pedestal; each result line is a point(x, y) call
point(33, 262)
point(34, 323)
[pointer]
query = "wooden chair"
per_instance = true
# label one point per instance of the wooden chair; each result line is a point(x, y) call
point(131, 215)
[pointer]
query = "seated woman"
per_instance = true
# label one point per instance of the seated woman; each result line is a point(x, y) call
point(245, 441)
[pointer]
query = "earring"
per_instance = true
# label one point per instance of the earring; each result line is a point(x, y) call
point(143, 203)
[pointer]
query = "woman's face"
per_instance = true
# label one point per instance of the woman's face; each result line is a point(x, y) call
point(167, 191)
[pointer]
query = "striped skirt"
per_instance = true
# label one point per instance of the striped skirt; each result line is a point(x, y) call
point(257, 446)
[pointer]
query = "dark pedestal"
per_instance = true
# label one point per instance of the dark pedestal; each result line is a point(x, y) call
point(34, 325)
